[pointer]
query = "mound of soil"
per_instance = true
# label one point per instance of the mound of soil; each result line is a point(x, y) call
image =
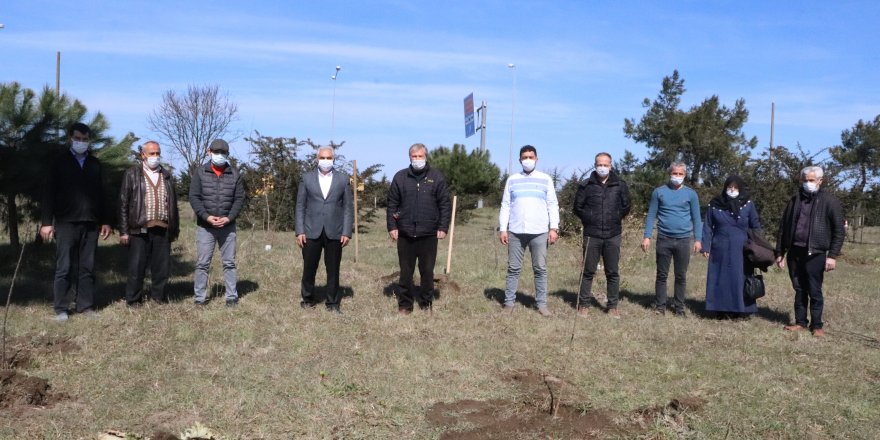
point(21, 351)
point(19, 391)
point(540, 414)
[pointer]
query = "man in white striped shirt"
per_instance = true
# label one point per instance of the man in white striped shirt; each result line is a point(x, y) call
point(529, 217)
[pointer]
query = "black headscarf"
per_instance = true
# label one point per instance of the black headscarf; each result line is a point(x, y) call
point(723, 201)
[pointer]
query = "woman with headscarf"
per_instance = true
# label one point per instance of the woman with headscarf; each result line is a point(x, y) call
point(728, 220)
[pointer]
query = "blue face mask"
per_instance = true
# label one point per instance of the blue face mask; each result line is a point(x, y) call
point(219, 159)
point(676, 181)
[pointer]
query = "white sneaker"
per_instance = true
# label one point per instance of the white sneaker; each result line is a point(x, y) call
point(61, 317)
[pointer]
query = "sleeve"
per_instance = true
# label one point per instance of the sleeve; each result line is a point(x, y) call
point(708, 230)
point(299, 213)
point(780, 237)
point(625, 200)
point(580, 200)
point(124, 200)
point(238, 201)
point(195, 194)
point(47, 208)
point(105, 198)
point(653, 205)
point(754, 218)
point(552, 205)
point(348, 202)
point(695, 216)
point(173, 227)
point(393, 204)
point(444, 205)
point(504, 212)
point(838, 233)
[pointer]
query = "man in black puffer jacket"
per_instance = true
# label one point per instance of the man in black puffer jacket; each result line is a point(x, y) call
point(811, 234)
point(601, 203)
point(216, 194)
point(418, 215)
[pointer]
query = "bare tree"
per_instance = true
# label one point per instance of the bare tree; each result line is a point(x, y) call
point(190, 121)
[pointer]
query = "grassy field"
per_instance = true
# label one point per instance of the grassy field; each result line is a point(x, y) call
point(269, 369)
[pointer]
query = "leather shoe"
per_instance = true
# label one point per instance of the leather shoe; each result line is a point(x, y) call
point(819, 333)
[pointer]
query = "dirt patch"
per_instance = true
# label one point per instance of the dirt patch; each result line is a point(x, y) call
point(22, 351)
point(19, 391)
point(443, 283)
point(538, 413)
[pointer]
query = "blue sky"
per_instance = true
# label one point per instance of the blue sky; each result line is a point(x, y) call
point(582, 67)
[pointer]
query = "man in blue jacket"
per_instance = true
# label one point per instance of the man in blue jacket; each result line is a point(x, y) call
point(216, 194)
point(676, 209)
point(418, 215)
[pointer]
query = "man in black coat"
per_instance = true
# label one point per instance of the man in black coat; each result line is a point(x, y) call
point(148, 223)
point(601, 203)
point(811, 236)
point(216, 194)
point(418, 215)
point(73, 211)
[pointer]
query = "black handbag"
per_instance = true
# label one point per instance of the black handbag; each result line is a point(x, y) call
point(754, 286)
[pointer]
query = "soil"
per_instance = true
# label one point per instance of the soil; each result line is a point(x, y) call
point(21, 351)
point(532, 414)
point(19, 391)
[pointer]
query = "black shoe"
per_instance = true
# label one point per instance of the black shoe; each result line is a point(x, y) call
point(660, 311)
point(334, 309)
point(232, 302)
point(134, 304)
point(307, 305)
point(681, 314)
point(200, 303)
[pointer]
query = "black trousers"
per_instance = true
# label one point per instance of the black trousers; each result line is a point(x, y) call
point(410, 251)
point(332, 258)
point(75, 246)
point(807, 273)
point(677, 251)
point(152, 248)
point(609, 250)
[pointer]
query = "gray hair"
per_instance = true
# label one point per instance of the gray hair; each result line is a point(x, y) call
point(675, 165)
point(417, 147)
point(814, 169)
point(326, 148)
point(141, 147)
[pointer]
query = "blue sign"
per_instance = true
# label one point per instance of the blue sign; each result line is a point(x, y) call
point(469, 125)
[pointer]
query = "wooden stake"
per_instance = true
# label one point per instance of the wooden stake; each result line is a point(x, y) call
point(451, 233)
point(354, 175)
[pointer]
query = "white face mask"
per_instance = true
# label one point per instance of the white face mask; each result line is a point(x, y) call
point(603, 171)
point(219, 159)
point(811, 187)
point(676, 181)
point(325, 165)
point(79, 147)
point(732, 193)
point(418, 164)
point(528, 165)
point(153, 162)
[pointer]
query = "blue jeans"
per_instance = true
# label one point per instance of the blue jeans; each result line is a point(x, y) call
point(516, 248)
point(677, 251)
point(206, 239)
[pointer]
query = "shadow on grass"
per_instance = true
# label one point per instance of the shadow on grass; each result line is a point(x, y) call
point(392, 289)
point(497, 295)
point(698, 308)
point(571, 298)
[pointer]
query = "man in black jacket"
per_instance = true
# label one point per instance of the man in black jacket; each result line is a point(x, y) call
point(601, 203)
point(72, 210)
point(811, 234)
point(216, 194)
point(148, 223)
point(418, 215)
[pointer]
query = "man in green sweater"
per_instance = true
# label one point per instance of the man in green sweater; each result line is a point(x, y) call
point(676, 209)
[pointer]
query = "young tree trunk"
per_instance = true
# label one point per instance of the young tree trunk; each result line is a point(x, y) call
point(12, 219)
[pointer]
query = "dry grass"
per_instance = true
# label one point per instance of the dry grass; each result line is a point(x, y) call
point(269, 369)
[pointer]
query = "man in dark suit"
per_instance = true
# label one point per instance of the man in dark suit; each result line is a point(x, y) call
point(324, 221)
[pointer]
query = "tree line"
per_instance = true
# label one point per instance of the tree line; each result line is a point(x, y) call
point(708, 137)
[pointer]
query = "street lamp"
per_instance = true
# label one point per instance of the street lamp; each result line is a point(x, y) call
point(512, 121)
point(333, 114)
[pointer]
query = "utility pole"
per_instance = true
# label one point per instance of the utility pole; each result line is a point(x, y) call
point(58, 73)
point(482, 111)
point(772, 121)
